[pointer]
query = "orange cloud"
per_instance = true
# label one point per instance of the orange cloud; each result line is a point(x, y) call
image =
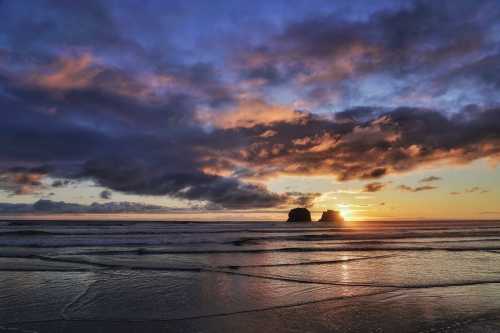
point(250, 112)
point(84, 72)
point(395, 142)
point(67, 74)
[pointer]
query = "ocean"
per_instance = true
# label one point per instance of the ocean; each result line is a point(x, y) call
point(115, 276)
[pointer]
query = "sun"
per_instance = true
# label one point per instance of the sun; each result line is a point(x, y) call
point(345, 212)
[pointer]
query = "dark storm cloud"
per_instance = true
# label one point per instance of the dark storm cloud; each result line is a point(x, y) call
point(98, 123)
point(129, 177)
point(143, 161)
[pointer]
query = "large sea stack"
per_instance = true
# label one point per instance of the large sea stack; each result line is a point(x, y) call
point(299, 215)
point(331, 216)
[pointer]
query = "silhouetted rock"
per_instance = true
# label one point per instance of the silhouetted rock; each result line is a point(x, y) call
point(331, 216)
point(299, 215)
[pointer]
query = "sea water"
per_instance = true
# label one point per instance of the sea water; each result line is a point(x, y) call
point(421, 276)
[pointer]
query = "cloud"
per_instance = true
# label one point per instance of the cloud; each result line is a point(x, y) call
point(106, 194)
point(249, 113)
point(490, 213)
point(476, 189)
point(479, 70)
point(99, 128)
point(22, 180)
point(374, 187)
point(58, 207)
point(69, 74)
point(135, 147)
point(386, 142)
point(268, 134)
point(61, 183)
point(326, 58)
point(49, 206)
point(429, 179)
point(302, 199)
point(455, 193)
point(406, 188)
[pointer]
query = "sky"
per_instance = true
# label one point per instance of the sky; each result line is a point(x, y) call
point(241, 110)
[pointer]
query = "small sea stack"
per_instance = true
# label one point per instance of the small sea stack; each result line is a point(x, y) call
point(299, 215)
point(331, 216)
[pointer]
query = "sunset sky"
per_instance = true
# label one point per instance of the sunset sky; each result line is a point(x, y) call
point(244, 109)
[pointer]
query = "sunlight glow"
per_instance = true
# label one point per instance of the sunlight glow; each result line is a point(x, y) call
point(345, 212)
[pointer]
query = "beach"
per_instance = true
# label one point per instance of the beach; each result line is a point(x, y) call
point(115, 276)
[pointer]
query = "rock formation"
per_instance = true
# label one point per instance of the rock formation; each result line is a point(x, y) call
point(299, 215)
point(331, 216)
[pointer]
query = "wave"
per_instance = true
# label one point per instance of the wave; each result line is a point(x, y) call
point(338, 234)
point(27, 233)
point(222, 270)
point(66, 243)
point(364, 236)
point(463, 283)
point(149, 246)
point(303, 243)
point(194, 239)
point(307, 263)
point(151, 251)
